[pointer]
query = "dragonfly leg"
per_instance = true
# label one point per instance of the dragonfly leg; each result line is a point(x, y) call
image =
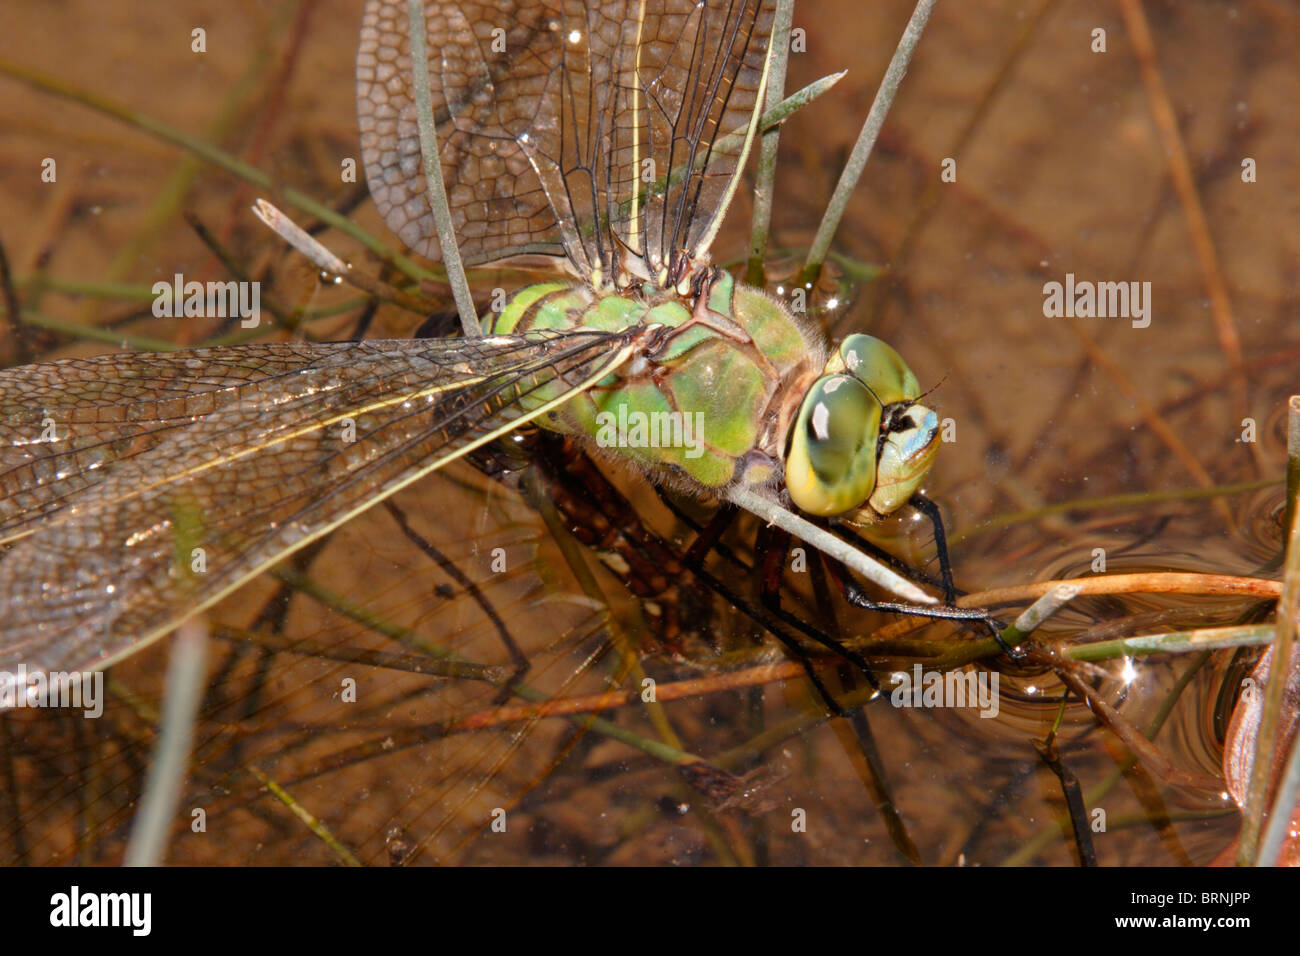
point(858, 598)
point(780, 623)
point(722, 325)
point(716, 323)
point(993, 626)
point(774, 554)
point(931, 511)
point(618, 510)
point(705, 541)
point(518, 659)
point(773, 547)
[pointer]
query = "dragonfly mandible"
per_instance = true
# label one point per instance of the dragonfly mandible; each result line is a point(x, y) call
point(602, 133)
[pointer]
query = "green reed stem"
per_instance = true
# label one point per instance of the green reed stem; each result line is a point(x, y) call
point(99, 289)
point(1280, 680)
point(211, 154)
point(1292, 460)
point(1279, 820)
point(433, 172)
point(1283, 805)
point(1110, 501)
point(1172, 642)
point(778, 114)
point(1038, 612)
point(186, 675)
point(771, 138)
point(313, 823)
point(92, 333)
point(866, 141)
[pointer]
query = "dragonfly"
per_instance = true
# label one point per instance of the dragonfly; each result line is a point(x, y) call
point(137, 490)
point(113, 466)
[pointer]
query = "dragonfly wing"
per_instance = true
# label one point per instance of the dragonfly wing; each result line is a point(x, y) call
point(487, 76)
point(686, 102)
point(63, 423)
point(169, 531)
point(556, 119)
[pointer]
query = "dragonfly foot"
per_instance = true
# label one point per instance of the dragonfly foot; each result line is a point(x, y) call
point(1011, 650)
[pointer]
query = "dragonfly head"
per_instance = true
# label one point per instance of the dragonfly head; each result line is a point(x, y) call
point(861, 437)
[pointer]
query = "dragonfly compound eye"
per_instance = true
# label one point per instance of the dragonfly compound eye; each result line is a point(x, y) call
point(830, 467)
point(878, 366)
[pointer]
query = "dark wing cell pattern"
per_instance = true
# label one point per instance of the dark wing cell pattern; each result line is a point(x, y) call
point(585, 129)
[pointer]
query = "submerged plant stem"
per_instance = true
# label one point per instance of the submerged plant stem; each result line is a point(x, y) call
point(186, 675)
point(433, 172)
point(771, 140)
point(866, 141)
point(1281, 679)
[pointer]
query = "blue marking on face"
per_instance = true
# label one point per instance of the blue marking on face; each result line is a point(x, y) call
point(919, 438)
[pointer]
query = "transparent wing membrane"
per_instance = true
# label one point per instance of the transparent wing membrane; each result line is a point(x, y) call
point(572, 128)
point(400, 764)
point(695, 80)
point(137, 511)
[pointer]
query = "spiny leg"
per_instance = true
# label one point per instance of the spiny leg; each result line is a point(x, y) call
point(517, 657)
point(854, 594)
point(820, 562)
point(771, 600)
point(858, 597)
point(881, 794)
point(876, 780)
point(918, 575)
point(707, 540)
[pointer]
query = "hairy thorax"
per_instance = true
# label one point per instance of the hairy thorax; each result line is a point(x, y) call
point(711, 408)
